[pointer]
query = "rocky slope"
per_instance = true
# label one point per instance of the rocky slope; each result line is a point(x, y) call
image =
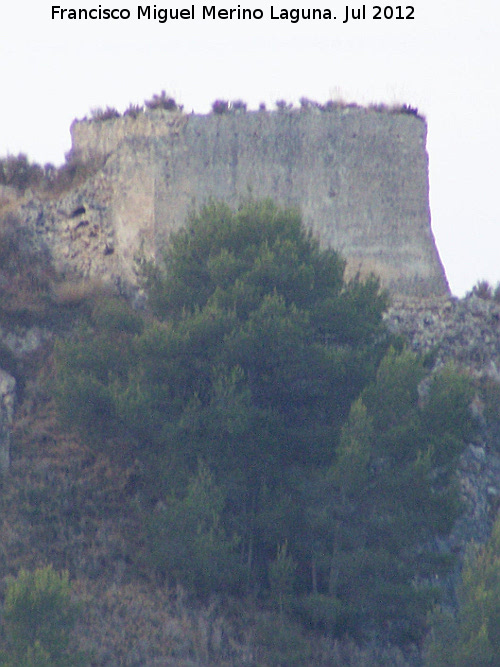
point(465, 332)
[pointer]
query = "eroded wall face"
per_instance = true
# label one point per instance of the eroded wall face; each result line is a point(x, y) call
point(359, 177)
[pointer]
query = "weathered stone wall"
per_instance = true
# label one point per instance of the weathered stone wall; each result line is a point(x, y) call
point(464, 331)
point(90, 138)
point(359, 177)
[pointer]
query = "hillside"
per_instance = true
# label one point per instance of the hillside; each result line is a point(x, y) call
point(240, 447)
point(79, 503)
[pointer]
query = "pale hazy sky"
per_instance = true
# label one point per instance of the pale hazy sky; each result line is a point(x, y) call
point(446, 61)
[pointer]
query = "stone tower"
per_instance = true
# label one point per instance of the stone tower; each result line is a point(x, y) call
point(359, 176)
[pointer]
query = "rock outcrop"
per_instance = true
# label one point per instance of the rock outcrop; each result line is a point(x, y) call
point(465, 332)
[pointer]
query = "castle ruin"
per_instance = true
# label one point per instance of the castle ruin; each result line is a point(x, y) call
point(359, 177)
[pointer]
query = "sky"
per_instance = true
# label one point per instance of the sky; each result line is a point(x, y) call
point(445, 61)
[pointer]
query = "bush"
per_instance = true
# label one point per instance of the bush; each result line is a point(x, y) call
point(71, 174)
point(89, 366)
point(73, 293)
point(238, 105)
point(283, 105)
point(163, 101)
point(39, 617)
point(447, 417)
point(409, 110)
point(281, 643)
point(306, 103)
point(323, 613)
point(490, 395)
point(220, 107)
point(483, 290)
point(19, 173)
point(102, 115)
point(116, 316)
point(133, 110)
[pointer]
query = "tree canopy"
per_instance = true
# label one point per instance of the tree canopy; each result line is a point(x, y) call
point(282, 438)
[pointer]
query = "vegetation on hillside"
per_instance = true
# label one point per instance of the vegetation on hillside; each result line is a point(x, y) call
point(484, 290)
point(21, 174)
point(38, 617)
point(165, 102)
point(284, 450)
point(471, 636)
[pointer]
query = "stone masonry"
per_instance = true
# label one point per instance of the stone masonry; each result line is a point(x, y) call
point(359, 177)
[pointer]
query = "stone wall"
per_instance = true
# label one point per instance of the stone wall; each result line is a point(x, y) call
point(359, 177)
point(90, 138)
point(464, 331)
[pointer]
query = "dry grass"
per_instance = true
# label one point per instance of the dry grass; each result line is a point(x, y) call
point(69, 176)
point(31, 291)
point(135, 624)
point(19, 176)
point(25, 276)
point(70, 293)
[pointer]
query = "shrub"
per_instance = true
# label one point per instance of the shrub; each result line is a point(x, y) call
point(283, 105)
point(163, 101)
point(306, 103)
point(238, 105)
point(39, 616)
point(116, 316)
point(18, 172)
point(321, 612)
point(447, 417)
point(490, 409)
point(70, 175)
point(482, 290)
point(220, 107)
point(409, 110)
point(281, 643)
point(101, 115)
point(133, 110)
point(331, 105)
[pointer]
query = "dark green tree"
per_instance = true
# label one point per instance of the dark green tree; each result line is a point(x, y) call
point(188, 541)
point(258, 358)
